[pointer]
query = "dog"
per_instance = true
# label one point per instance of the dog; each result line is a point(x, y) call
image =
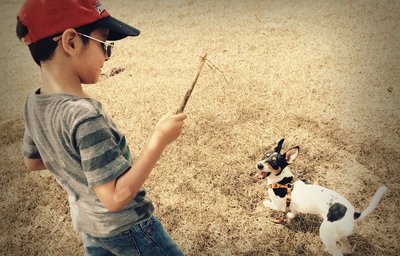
point(294, 196)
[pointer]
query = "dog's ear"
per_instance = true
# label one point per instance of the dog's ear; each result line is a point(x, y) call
point(279, 147)
point(292, 154)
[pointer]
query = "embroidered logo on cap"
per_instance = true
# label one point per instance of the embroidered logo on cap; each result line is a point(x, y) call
point(99, 7)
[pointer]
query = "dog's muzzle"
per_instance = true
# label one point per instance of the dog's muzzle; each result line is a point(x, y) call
point(261, 174)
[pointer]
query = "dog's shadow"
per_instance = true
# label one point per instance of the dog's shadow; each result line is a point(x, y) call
point(304, 223)
point(311, 224)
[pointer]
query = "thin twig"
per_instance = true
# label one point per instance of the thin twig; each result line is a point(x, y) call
point(213, 66)
point(189, 92)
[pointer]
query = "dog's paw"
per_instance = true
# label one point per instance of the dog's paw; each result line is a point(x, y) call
point(268, 204)
point(291, 215)
point(346, 249)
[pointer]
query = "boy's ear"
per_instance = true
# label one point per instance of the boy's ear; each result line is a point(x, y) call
point(292, 154)
point(69, 41)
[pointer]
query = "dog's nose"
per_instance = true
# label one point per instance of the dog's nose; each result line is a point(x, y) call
point(260, 166)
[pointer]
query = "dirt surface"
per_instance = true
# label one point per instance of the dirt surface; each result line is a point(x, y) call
point(325, 75)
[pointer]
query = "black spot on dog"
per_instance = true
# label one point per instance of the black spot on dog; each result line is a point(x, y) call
point(336, 212)
point(357, 215)
point(281, 192)
point(286, 180)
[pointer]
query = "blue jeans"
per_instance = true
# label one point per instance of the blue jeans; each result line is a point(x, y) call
point(146, 238)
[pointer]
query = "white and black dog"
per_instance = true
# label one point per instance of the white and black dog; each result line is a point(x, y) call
point(287, 193)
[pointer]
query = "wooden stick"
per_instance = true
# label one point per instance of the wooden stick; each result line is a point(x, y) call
point(189, 92)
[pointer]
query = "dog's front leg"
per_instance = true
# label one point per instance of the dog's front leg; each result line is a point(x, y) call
point(276, 203)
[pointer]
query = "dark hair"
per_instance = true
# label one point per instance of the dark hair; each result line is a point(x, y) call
point(43, 49)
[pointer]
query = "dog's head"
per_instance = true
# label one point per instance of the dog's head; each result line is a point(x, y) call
point(274, 162)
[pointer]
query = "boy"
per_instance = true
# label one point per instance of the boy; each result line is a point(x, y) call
point(69, 134)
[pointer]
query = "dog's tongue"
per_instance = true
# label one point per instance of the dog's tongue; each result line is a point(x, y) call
point(261, 175)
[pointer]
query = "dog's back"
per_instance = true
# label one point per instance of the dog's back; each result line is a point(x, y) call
point(314, 199)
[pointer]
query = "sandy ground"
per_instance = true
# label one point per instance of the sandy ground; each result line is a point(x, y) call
point(325, 75)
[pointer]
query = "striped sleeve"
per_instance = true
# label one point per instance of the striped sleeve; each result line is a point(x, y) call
point(101, 156)
point(29, 148)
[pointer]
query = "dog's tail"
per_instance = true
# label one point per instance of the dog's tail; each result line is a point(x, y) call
point(372, 205)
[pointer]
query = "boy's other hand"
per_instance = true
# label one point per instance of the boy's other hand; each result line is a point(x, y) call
point(168, 128)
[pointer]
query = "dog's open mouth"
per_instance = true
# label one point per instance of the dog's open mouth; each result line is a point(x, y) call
point(262, 175)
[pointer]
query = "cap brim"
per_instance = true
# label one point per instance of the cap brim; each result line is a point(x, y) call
point(118, 29)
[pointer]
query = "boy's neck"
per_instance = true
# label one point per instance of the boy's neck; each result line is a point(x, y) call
point(58, 79)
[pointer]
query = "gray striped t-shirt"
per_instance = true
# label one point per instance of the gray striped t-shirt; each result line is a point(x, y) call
point(80, 144)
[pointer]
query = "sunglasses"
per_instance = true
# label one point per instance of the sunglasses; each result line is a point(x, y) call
point(107, 47)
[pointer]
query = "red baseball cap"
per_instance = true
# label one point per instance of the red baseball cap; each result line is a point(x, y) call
point(45, 18)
